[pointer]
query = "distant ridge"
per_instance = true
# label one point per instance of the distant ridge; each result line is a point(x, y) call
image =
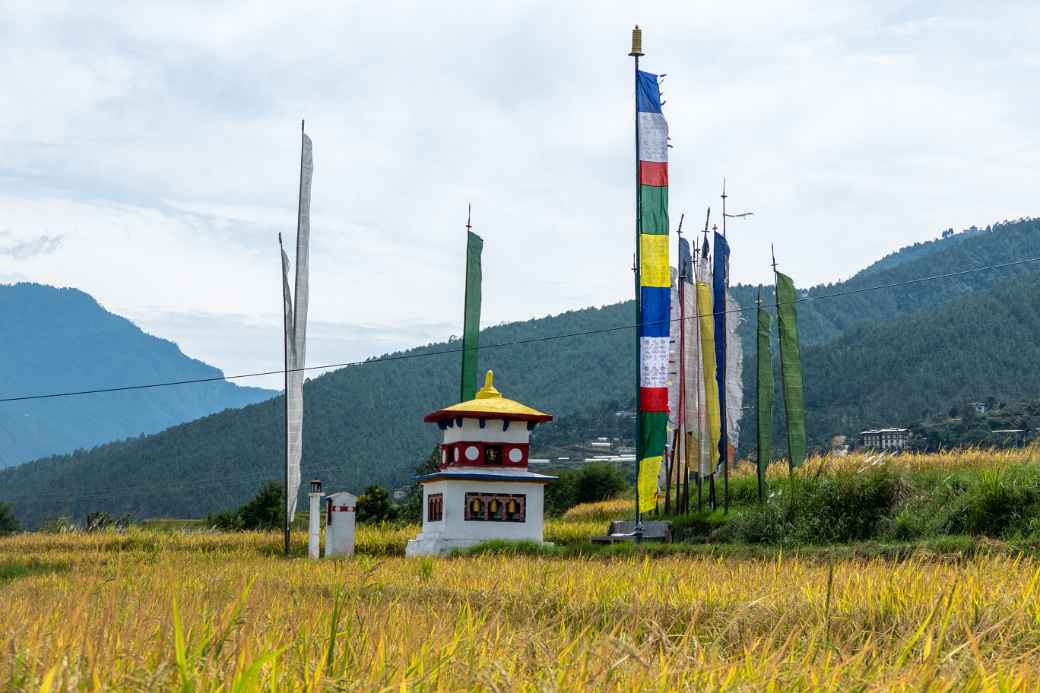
point(57, 340)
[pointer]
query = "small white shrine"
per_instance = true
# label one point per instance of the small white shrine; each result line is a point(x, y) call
point(483, 489)
point(340, 523)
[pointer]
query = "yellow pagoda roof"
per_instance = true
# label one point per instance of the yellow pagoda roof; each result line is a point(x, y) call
point(489, 403)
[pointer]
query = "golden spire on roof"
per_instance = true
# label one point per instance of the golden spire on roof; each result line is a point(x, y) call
point(488, 391)
point(490, 404)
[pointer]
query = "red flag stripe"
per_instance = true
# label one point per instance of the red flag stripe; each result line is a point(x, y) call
point(653, 173)
point(653, 399)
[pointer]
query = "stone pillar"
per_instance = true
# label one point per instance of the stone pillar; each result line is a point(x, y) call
point(314, 521)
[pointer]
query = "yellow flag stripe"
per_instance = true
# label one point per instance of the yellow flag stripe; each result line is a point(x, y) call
point(711, 386)
point(653, 261)
point(649, 471)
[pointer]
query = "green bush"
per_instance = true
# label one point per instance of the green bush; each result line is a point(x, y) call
point(374, 506)
point(411, 509)
point(846, 506)
point(266, 511)
point(589, 483)
point(1000, 503)
point(832, 508)
point(698, 526)
point(510, 547)
point(767, 523)
point(8, 522)
point(101, 521)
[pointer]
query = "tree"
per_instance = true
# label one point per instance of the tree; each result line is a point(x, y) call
point(589, 484)
point(8, 522)
point(599, 482)
point(375, 505)
point(411, 510)
point(264, 512)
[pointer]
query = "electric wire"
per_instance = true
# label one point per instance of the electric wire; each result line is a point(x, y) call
point(518, 342)
point(197, 483)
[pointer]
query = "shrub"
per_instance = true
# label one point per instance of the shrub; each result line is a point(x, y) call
point(844, 506)
point(598, 482)
point(101, 521)
point(374, 506)
point(265, 511)
point(58, 525)
point(1000, 502)
point(767, 523)
point(590, 483)
point(411, 509)
point(8, 522)
point(698, 526)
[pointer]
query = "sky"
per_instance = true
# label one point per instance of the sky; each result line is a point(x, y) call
point(149, 152)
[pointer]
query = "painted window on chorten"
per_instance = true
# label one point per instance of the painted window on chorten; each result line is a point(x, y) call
point(496, 507)
point(435, 507)
point(493, 454)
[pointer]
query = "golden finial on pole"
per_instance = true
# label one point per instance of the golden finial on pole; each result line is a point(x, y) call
point(637, 42)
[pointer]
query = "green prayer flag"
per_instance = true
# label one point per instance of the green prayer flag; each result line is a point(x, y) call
point(765, 397)
point(791, 368)
point(471, 326)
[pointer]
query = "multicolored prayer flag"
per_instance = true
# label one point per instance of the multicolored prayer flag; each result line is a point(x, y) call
point(654, 286)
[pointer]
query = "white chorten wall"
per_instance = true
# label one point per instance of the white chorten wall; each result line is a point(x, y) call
point(453, 530)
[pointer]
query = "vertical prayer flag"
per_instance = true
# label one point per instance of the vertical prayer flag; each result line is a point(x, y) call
point(654, 285)
point(719, 272)
point(791, 368)
point(471, 324)
point(296, 332)
point(711, 385)
point(764, 408)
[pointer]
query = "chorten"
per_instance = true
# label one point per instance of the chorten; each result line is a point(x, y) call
point(483, 489)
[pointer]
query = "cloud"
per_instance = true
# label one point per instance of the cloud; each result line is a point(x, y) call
point(161, 141)
point(22, 249)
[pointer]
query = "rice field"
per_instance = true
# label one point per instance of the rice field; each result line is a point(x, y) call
point(955, 460)
point(148, 610)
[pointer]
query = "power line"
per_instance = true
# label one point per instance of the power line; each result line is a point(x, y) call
point(257, 475)
point(517, 342)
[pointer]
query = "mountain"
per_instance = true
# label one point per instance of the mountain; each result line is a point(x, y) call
point(364, 423)
point(58, 340)
point(978, 346)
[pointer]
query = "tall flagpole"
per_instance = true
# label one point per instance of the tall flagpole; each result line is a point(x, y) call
point(682, 447)
point(724, 366)
point(758, 400)
point(285, 348)
point(299, 202)
point(725, 317)
point(463, 395)
point(637, 50)
point(702, 393)
point(780, 339)
point(712, 501)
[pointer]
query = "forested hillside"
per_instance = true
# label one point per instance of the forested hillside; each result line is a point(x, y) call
point(904, 370)
point(56, 340)
point(869, 357)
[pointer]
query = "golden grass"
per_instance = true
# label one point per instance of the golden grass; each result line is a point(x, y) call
point(604, 511)
point(203, 611)
point(955, 460)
